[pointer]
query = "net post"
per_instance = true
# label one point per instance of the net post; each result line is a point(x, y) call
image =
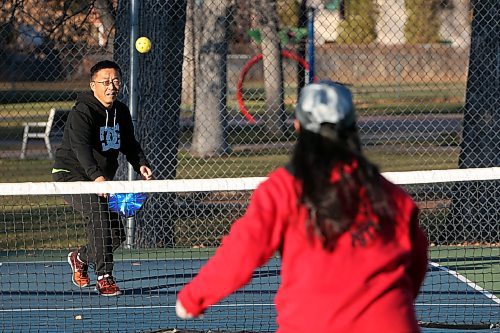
point(134, 28)
point(130, 230)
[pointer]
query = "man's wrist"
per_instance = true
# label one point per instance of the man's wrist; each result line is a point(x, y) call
point(100, 179)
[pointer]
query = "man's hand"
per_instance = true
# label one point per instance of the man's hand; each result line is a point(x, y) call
point(101, 179)
point(146, 173)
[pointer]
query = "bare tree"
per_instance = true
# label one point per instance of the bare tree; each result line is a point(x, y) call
point(268, 23)
point(54, 33)
point(159, 85)
point(481, 131)
point(211, 28)
point(480, 146)
point(106, 13)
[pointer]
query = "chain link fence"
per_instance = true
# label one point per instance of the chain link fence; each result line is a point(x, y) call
point(215, 95)
point(215, 98)
point(217, 91)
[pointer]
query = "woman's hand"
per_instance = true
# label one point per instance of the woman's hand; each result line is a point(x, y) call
point(181, 312)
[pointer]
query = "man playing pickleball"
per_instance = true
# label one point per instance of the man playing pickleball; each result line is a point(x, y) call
point(98, 128)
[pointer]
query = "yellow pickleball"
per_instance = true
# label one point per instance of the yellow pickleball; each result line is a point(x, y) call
point(143, 45)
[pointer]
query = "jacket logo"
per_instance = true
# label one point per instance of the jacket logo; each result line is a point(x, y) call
point(110, 137)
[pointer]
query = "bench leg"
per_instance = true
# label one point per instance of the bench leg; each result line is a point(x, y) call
point(49, 147)
point(25, 142)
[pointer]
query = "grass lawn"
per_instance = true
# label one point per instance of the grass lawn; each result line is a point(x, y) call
point(242, 165)
point(373, 100)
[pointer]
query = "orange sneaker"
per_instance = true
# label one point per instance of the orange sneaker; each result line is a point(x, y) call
point(106, 286)
point(80, 276)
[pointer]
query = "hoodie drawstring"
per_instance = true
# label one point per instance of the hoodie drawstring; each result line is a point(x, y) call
point(107, 117)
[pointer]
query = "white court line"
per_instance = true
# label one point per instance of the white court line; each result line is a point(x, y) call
point(130, 307)
point(217, 305)
point(116, 260)
point(471, 284)
point(456, 304)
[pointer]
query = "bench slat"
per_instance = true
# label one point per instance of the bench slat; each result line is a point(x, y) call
point(36, 124)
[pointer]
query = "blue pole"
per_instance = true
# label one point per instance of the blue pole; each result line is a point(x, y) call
point(310, 43)
point(134, 33)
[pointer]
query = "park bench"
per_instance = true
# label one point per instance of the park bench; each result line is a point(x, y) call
point(53, 130)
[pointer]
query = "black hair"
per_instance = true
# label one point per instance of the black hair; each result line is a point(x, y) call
point(333, 205)
point(103, 65)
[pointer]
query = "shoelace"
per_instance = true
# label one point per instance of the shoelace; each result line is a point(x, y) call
point(109, 280)
point(83, 269)
point(82, 265)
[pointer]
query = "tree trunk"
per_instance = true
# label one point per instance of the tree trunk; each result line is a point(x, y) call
point(475, 206)
point(105, 10)
point(209, 133)
point(188, 66)
point(159, 84)
point(267, 20)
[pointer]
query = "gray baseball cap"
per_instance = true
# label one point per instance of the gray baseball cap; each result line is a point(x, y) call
point(325, 102)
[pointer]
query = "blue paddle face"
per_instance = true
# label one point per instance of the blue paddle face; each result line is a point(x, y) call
point(126, 204)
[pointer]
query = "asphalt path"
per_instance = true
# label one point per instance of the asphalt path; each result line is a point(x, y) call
point(373, 129)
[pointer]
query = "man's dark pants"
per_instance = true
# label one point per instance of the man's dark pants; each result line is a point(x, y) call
point(105, 230)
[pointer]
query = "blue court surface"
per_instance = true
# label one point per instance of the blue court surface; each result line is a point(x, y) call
point(37, 296)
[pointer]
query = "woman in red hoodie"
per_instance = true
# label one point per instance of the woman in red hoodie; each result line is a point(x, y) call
point(353, 255)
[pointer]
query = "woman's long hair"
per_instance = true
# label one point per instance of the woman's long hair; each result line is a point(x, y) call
point(334, 173)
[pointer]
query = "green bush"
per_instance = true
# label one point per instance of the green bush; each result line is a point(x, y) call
point(422, 25)
point(288, 12)
point(359, 26)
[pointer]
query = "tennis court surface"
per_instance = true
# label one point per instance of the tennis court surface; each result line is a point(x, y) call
point(461, 290)
point(38, 296)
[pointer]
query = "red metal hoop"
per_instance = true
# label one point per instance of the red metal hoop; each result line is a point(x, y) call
point(255, 59)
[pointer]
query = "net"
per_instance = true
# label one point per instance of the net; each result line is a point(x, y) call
point(459, 212)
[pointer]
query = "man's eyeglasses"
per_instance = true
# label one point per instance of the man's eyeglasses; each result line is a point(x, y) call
point(106, 83)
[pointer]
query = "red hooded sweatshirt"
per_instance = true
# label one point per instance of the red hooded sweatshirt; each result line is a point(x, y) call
point(354, 288)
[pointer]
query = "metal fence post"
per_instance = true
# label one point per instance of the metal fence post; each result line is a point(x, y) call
point(134, 27)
